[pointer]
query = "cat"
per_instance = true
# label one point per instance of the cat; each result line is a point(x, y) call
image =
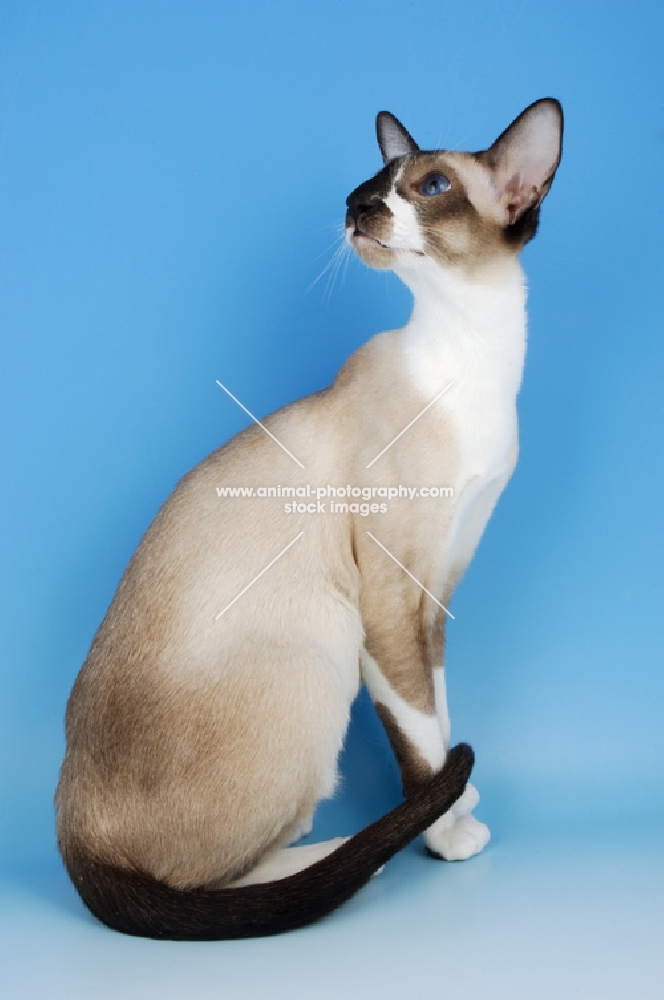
point(208, 717)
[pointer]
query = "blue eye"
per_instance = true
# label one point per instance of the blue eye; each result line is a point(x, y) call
point(433, 184)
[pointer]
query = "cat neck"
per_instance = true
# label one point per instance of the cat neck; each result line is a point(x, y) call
point(466, 327)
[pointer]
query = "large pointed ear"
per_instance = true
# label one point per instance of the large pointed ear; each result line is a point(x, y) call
point(393, 138)
point(525, 157)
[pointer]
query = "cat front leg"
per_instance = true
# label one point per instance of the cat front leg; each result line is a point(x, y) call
point(457, 835)
point(417, 725)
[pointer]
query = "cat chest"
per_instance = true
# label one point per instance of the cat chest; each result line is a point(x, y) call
point(477, 358)
point(478, 416)
point(484, 431)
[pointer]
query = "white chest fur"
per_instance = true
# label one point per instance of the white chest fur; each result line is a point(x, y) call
point(473, 335)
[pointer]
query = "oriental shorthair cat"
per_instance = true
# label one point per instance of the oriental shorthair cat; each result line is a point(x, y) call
point(208, 717)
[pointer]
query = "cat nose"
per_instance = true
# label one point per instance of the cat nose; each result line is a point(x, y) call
point(357, 206)
point(357, 202)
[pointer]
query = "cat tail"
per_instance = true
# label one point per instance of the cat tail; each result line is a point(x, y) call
point(136, 903)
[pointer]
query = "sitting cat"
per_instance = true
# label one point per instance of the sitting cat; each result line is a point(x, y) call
point(208, 717)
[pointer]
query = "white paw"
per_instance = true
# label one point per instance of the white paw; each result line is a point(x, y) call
point(467, 836)
point(457, 835)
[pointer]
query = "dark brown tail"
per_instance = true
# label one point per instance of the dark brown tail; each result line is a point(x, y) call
point(135, 903)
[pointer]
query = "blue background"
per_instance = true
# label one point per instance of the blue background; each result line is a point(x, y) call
point(172, 181)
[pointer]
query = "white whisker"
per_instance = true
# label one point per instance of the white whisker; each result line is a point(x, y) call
point(333, 264)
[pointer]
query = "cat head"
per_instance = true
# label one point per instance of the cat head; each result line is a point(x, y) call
point(455, 209)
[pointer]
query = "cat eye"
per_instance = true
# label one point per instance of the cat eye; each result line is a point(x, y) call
point(433, 184)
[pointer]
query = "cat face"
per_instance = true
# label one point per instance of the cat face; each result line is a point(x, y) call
point(455, 209)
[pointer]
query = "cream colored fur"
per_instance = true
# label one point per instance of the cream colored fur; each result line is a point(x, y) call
point(198, 747)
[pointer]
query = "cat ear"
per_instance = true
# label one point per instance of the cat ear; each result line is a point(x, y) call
point(525, 157)
point(393, 138)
